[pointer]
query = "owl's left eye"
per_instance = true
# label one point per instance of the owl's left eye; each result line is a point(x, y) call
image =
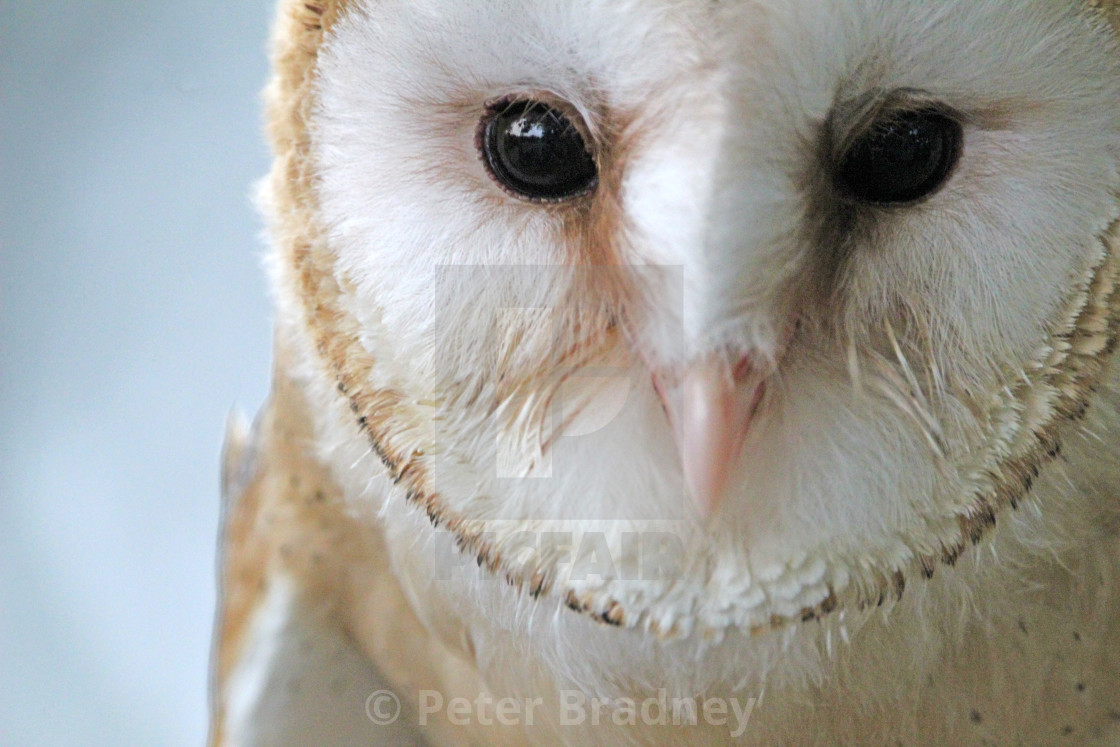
point(535, 152)
point(902, 158)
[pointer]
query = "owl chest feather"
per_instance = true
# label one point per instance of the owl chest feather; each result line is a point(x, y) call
point(1001, 648)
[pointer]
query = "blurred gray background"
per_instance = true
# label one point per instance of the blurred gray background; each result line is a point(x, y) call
point(133, 316)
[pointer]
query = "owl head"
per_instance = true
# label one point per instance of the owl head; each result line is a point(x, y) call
point(697, 316)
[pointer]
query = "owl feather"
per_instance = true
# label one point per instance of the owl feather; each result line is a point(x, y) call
point(683, 372)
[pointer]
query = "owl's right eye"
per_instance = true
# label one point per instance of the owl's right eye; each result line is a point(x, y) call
point(535, 152)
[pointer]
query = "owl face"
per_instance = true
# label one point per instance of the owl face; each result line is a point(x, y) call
point(761, 280)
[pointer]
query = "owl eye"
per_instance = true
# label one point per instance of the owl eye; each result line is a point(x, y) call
point(901, 159)
point(536, 152)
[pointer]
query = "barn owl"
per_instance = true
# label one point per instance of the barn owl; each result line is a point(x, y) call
point(683, 372)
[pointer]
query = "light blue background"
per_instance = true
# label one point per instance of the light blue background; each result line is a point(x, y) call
point(133, 316)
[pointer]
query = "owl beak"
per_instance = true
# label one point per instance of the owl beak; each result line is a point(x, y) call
point(711, 413)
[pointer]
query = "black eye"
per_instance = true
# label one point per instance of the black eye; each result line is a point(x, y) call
point(902, 158)
point(536, 152)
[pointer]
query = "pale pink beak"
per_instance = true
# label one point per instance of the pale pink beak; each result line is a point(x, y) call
point(711, 411)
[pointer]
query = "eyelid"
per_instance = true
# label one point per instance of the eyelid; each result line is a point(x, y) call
point(583, 119)
point(853, 119)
